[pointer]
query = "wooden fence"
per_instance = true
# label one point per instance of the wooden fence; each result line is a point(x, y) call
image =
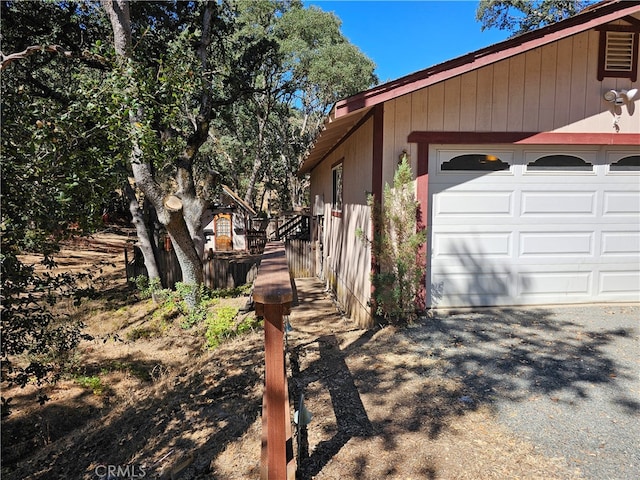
point(230, 270)
point(300, 258)
point(223, 269)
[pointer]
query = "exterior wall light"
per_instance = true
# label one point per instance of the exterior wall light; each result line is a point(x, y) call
point(620, 97)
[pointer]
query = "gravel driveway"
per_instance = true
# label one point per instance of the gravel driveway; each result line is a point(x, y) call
point(567, 379)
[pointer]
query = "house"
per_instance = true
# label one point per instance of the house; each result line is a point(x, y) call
point(526, 157)
point(228, 223)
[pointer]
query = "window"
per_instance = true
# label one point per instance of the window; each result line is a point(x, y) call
point(223, 227)
point(475, 162)
point(561, 163)
point(337, 187)
point(626, 164)
point(618, 55)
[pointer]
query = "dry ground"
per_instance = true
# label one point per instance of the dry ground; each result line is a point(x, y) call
point(167, 407)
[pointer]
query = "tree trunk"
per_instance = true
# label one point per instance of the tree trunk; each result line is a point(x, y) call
point(257, 163)
point(190, 262)
point(193, 209)
point(180, 213)
point(170, 214)
point(144, 240)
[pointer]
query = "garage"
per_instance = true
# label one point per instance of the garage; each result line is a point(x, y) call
point(527, 225)
point(526, 156)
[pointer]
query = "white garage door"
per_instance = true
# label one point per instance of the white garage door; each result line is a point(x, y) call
point(526, 226)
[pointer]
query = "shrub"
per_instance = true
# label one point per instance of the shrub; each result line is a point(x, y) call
point(397, 248)
point(220, 325)
point(93, 383)
point(147, 287)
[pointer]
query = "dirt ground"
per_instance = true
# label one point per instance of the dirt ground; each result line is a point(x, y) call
point(167, 407)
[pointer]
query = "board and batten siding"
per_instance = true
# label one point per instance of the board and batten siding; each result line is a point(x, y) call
point(553, 88)
point(346, 261)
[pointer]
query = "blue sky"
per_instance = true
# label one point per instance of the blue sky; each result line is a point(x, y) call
point(402, 37)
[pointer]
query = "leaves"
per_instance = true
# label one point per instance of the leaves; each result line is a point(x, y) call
point(243, 101)
point(397, 247)
point(521, 16)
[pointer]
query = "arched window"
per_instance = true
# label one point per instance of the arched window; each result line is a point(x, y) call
point(475, 162)
point(626, 164)
point(560, 163)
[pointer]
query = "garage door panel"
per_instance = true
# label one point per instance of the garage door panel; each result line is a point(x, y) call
point(621, 203)
point(556, 285)
point(619, 283)
point(542, 204)
point(477, 288)
point(620, 243)
point(555, 244)
point(474, 203)
point(453, 245)
point(534, 237)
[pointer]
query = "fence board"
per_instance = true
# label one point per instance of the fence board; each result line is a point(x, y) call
point(224, 270)
point(299, 258)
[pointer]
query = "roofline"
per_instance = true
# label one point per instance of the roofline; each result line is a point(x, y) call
point(237, 198)
point(589, 18)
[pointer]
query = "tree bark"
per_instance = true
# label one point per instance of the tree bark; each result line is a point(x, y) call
point(118, 12)
point(180, 213)
point(144, 241)
point(257, 162)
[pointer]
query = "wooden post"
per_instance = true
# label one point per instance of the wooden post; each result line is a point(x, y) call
point(273, 295)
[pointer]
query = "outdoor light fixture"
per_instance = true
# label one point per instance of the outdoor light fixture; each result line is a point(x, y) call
point(620, 97)
point(404, 156)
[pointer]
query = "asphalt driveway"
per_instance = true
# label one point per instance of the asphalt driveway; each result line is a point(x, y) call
point(567, 379)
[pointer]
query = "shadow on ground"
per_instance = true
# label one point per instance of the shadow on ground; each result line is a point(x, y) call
point(511, 353)
point(184, 422)
point(385, 383)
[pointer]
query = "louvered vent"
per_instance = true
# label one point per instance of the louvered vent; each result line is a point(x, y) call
point(619, 53)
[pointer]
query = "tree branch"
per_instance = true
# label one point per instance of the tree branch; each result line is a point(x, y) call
point(57, 49)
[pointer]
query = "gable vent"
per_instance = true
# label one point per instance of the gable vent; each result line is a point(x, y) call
point(619, 51)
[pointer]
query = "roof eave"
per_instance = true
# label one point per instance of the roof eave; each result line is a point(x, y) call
point(584, 21)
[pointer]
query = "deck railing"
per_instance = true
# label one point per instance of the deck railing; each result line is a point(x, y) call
point(273, 296)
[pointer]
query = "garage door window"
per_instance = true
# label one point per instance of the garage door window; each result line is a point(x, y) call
point(475, 162)
point(626, 164)
point(559, 164)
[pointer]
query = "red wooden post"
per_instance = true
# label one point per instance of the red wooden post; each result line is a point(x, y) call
point(272, 294)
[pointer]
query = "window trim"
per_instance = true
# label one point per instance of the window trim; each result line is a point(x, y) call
point(530, 158)
point(337, 189)
point(602, 52)
point(450, 166)
point(632, 170)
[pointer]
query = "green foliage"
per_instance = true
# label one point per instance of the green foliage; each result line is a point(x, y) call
point(230, 292)
point(306, 66)
point(169, 309)
point(67, 140)
point(56, 172)
point(148, 288)
point(397, 248)
point(520, 16)
point(93, 383)
point(144, 332)
point(221, 325)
